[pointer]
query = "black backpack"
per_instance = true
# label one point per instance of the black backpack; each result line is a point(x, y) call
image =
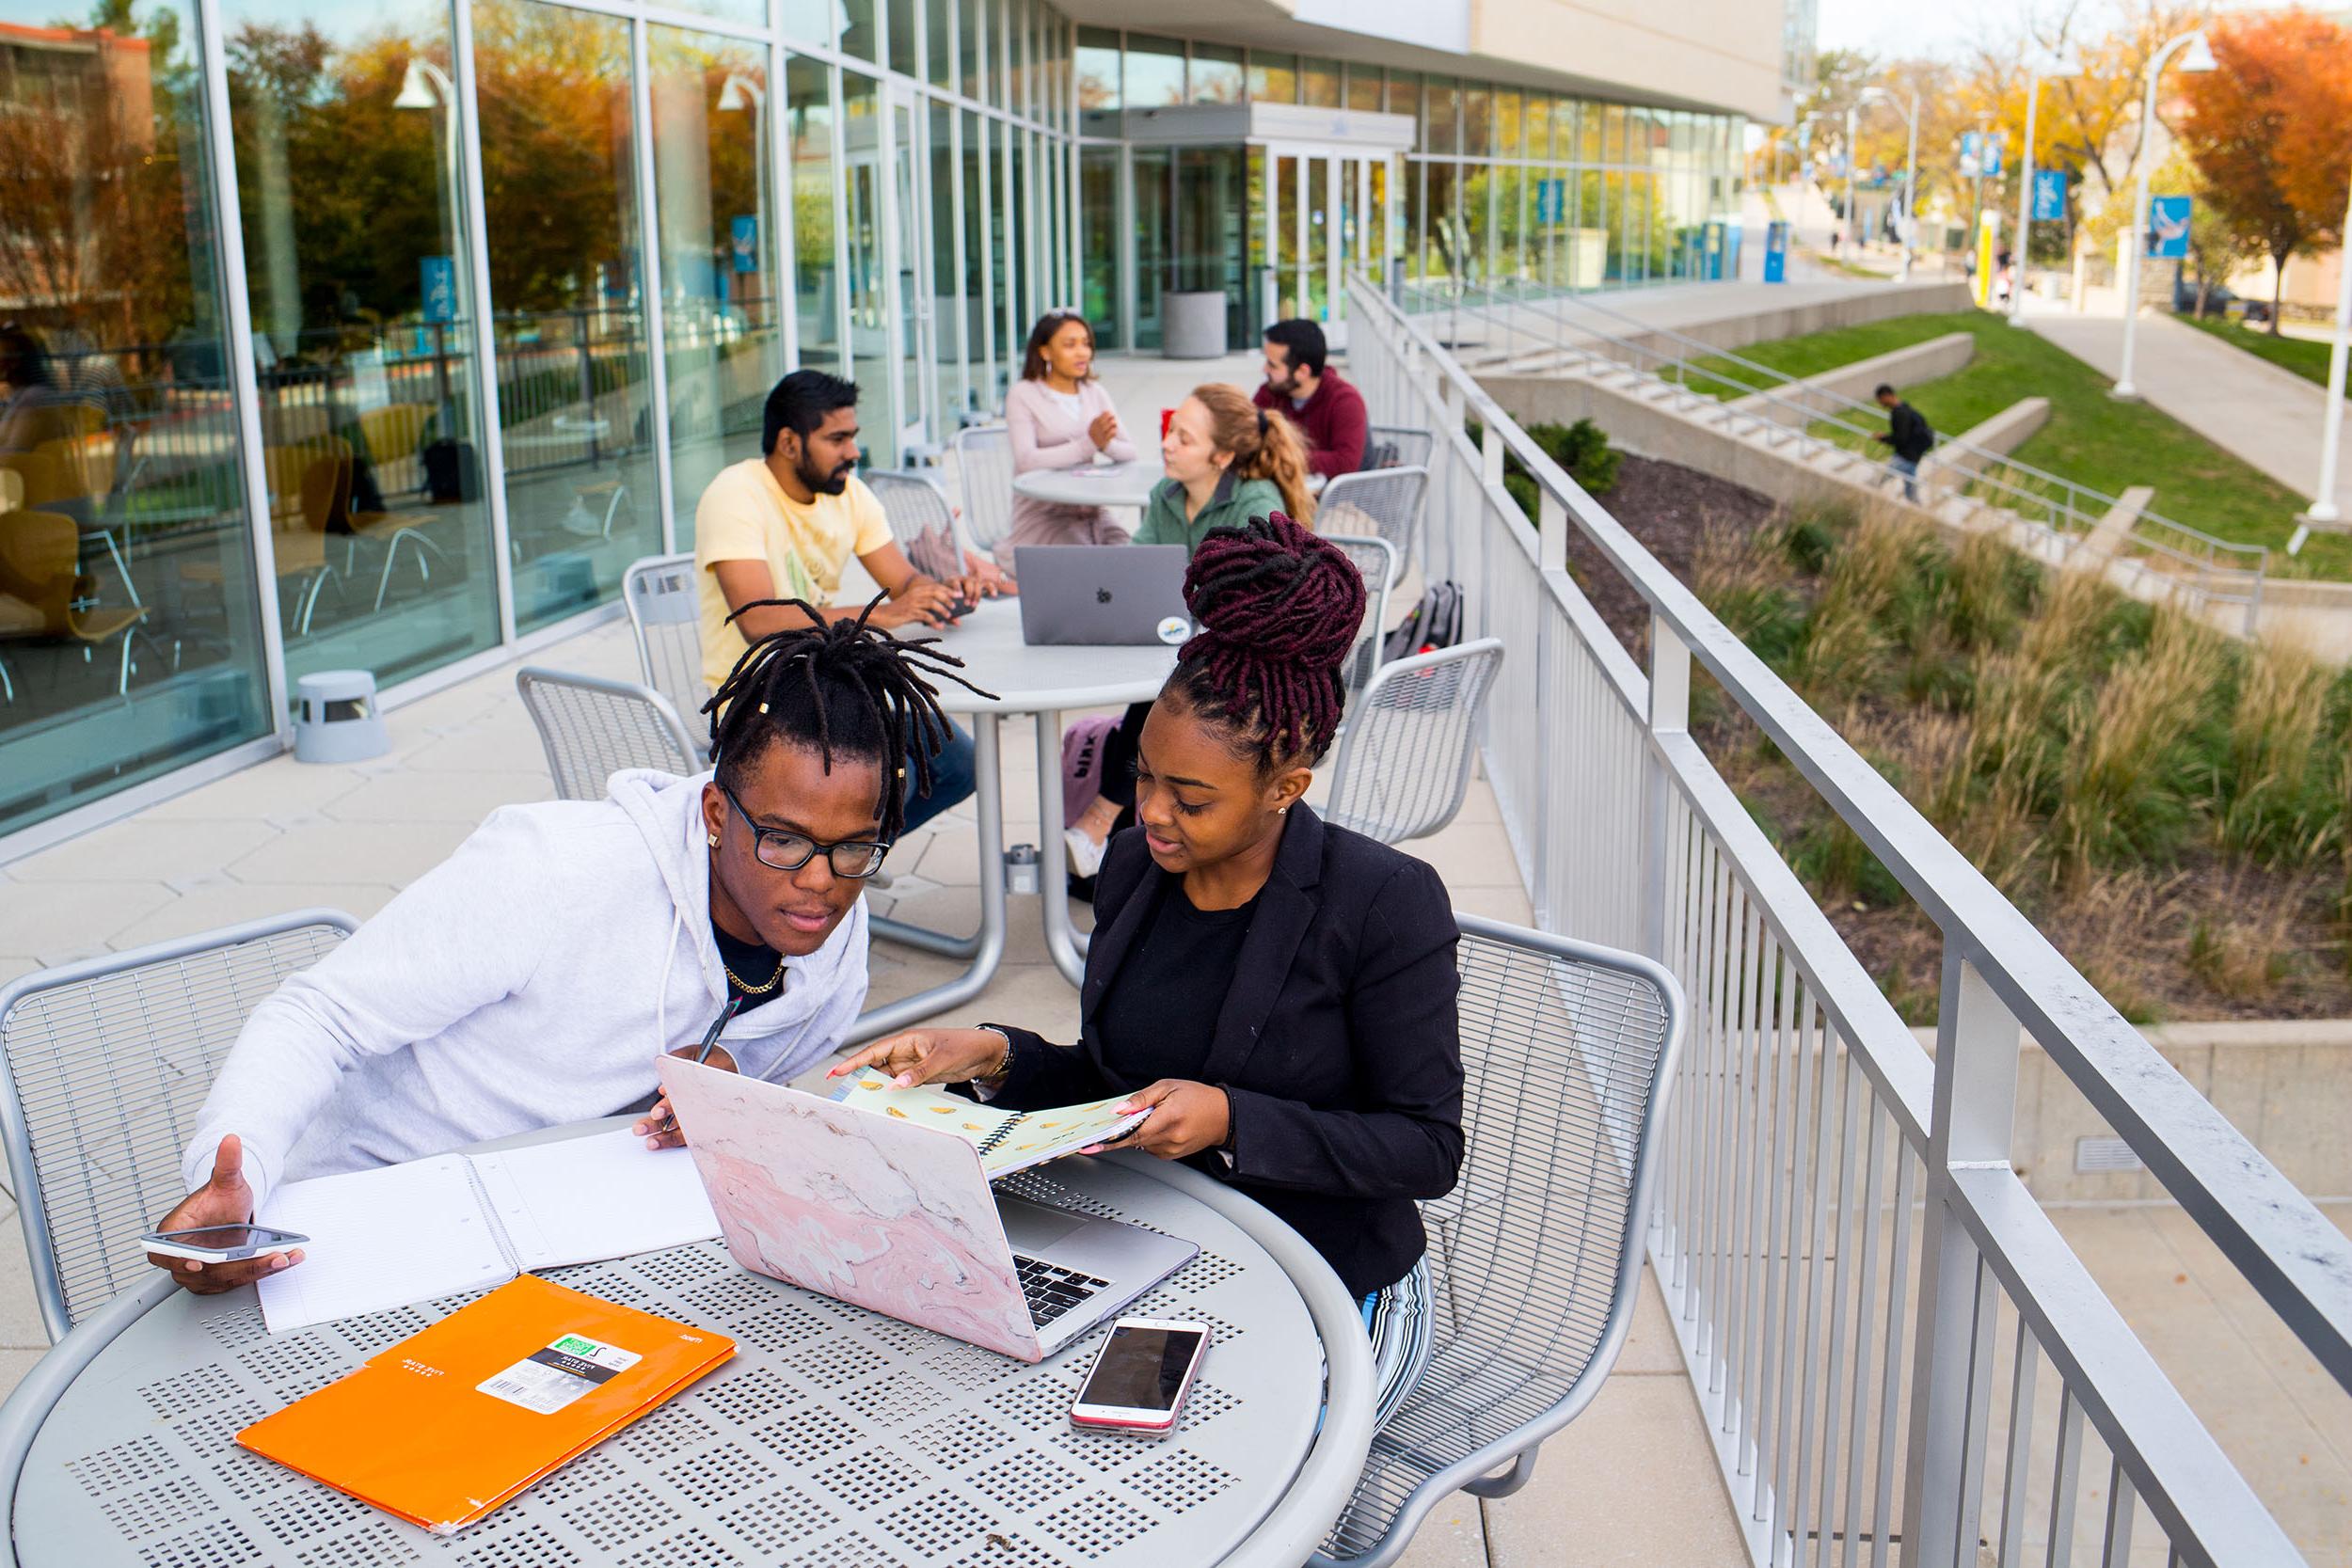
point(1435, 622)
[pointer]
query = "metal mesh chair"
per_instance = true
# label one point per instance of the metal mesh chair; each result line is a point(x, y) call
point(1397, 446)
point(1567, 1053)
point(1377, 560)
point(592, 728)
point(921, 521)
point(984, 471)
point(103, 1066)
point(1382, 502)
point(666, 618)
point(1404, 758)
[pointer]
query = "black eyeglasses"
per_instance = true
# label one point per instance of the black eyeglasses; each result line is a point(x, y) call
point(784, 850)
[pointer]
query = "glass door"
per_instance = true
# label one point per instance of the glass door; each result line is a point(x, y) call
point(1328, 213)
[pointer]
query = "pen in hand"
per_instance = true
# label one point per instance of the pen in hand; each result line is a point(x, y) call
point(702, 1051)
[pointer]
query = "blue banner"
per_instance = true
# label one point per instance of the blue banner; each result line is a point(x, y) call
point(745, 233)
point(1777, 252)
point(1550, 200)
point(2049, 194)
point(1993, 146)
point(2168, 225)
point(438, 277)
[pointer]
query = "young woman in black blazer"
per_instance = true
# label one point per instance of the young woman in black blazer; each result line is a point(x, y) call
point(1277, 990)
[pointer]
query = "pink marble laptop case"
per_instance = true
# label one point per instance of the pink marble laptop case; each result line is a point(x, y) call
point(895, 1217)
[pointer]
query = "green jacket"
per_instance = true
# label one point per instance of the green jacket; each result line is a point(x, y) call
point(1234, 504)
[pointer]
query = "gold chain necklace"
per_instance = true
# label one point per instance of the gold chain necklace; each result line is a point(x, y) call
point(745, 986)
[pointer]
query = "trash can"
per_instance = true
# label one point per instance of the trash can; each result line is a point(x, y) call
point(335, 718)
point(1192, 324)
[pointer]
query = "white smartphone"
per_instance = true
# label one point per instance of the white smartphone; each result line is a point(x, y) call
point(1140, 1378)
point(221, 1243)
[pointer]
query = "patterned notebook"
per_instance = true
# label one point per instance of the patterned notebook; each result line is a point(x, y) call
point(1008, 1141)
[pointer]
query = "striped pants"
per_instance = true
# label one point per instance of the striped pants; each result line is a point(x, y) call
point(1401, 1319)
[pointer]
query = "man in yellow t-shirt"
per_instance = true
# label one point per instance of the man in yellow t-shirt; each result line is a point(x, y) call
point(783, 526)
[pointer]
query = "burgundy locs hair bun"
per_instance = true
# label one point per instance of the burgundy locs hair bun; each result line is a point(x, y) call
point(1279, 609)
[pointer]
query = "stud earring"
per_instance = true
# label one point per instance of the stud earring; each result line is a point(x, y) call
point(714, 839)
point(1282, 810)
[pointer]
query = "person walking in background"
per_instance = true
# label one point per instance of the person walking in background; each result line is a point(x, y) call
point(1908, 432)
point(1328, 412)
point(1059, 415)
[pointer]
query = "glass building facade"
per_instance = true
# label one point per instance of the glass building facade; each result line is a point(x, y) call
point(386, 335)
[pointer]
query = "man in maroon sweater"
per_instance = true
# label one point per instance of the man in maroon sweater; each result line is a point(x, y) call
point(1328, 412)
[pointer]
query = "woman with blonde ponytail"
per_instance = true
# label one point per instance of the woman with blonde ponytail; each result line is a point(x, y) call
point(1228, 462)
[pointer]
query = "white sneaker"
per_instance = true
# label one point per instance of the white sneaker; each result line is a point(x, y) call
point(1086, 856)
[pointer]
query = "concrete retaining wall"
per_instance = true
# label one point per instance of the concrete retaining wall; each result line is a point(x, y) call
point(1790, 404)
point(1772, 322)
point(1948, 468)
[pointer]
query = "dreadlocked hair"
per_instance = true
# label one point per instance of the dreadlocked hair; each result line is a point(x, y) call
point(841, 689)
point(1279, 609)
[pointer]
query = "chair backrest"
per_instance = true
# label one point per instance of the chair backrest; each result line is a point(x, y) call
point(1568, 1054)
point(592, 728)
point(1398, 446)
point(921, 519)
point(1377, 560)
point(40, 555)
point(665, 616)
point(103, 1066)
point(984, 473)
point(1404, 758)
point(1383, 501)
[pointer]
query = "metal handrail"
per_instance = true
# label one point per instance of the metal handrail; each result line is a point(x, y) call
point(2138, 1086)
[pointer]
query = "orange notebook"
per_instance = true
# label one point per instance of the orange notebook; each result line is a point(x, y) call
point(448, 1424)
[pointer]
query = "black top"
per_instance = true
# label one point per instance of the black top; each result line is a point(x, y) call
point(1337, 1040)
point(749, 961)
point(1162, 1006)
point(1908, 432)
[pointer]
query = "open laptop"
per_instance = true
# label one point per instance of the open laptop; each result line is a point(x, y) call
point(899, 1218)
point(1102, 594)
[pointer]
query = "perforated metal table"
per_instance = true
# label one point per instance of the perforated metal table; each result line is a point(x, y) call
point(834, 1437)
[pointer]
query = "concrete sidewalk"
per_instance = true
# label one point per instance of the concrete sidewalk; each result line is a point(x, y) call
point(2269, 417)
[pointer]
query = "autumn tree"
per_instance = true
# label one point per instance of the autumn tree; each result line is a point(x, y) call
point(2090, 120)
point(2266, 132)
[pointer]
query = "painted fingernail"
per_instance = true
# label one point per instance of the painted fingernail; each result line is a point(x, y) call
point(279, 1262)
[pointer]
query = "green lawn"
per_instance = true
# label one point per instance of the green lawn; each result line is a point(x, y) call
point(2090, 438)
point(2305, 357)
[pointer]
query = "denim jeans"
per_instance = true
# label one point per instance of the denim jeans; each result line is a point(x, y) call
point(951, 779)
point(1909, 468)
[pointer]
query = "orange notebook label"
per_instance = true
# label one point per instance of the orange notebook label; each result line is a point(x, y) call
point(452, 1422)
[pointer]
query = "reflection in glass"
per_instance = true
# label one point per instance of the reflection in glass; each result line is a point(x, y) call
point(559, 182)
point(939, 59)
point(980, 388)
point(363, 317)
point(972, 21)
point(713, 206)
point(1319, 84)
point(1272, 78)
point(809, 105)
point(1364, 91)
point(1441, 116)
point(1218, 76)
point(948, 304)
point(130, 629)
point(1155, 258)
point(1155, 73)
point(902, 28)
point(1098, 243)
point(869, 322)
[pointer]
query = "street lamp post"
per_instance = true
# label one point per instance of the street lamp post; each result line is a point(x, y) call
point(2199, 58)
point(2323, 512)
point(738, 94)
point(426, 86)
point(2050, 70)
point(1911, 167)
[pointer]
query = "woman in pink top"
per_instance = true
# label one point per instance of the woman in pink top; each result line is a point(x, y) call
point(1059, 416)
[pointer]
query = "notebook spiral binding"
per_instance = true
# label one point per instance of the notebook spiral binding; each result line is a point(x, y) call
point(989, 1144)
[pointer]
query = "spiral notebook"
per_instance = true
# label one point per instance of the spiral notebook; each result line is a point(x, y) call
point(433, 1227)
point(1008, 1141)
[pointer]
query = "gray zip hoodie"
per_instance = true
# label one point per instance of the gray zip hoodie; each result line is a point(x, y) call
point(527, 981)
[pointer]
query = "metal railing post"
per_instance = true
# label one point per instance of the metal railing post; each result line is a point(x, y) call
point(1669, 714)
point(1973, 1116)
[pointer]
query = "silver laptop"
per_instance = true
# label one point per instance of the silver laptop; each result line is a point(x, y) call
point(1102, 594)
point(899, 1218)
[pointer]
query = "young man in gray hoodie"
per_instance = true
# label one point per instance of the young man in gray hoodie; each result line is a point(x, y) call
point(531, 978)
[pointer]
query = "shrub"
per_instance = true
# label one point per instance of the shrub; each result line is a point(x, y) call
point(1582, 449)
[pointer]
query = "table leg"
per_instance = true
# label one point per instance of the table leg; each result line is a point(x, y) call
point(1064, 941)
point(989, 945)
